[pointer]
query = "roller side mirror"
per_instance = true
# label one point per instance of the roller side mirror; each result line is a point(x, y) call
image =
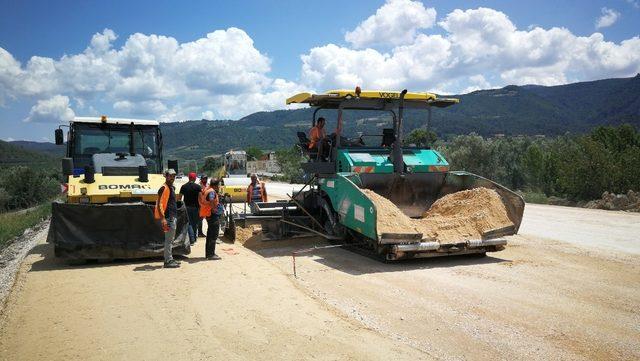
point(59, 135)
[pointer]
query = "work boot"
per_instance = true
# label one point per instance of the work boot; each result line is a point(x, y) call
point(215, 257)
point(172, 264)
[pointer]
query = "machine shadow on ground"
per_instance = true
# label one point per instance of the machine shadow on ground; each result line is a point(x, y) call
point(50, 262)
point(353, 261)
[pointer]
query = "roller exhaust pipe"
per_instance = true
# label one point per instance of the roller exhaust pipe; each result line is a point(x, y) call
point(89, 174)
point(143, 174)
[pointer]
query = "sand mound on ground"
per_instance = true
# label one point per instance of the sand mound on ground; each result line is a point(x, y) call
point(243, 235)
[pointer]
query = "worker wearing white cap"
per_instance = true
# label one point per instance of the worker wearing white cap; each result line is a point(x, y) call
point(166, 211)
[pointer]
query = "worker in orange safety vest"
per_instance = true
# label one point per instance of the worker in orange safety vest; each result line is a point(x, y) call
point(166, 211)
point(256, 191)
point(215, 210)
point(204, 183)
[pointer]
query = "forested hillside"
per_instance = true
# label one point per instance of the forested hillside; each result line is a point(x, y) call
point(49, 148)
point(512, 110)
point(14, 155)
point(28, 177)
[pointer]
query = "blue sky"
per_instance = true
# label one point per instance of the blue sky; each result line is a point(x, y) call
point(263, 51)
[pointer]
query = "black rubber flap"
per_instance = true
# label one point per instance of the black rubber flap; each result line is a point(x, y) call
point(126, 230)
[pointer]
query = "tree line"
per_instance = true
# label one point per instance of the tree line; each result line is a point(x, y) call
point(24, 187)
point(575, 167)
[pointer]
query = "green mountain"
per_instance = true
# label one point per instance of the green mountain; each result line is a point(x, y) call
point(49, 148)
point(13, 155)
point(512, 110)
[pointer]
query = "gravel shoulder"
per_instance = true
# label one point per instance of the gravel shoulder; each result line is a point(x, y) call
point(12, 256)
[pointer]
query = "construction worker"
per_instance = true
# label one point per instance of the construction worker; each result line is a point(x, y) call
point(203, 185)
point(190, 192)
point(256, 191)
point(318, 134)
point(215, 211)
point(166, 211)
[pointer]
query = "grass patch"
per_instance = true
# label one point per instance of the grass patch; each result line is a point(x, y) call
point(535, 197)
point(13, 224)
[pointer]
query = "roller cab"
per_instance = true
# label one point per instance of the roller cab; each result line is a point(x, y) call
point(112, 170)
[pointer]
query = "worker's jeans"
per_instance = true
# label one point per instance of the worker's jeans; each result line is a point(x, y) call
point(200, 226)
point(194, 217)
point(168, 240)
point(213, 229)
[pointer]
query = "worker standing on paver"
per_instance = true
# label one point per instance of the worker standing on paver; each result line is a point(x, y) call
point(215, 210)
point(166, 211)
point(203, 186)
point(256, 191)
point(190, 192)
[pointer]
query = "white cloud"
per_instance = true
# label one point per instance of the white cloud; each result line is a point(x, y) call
point(9, 72)
point(140, 108)
point(608, 18)
point(55, 109)
point(9, 139)
point(477, 82)
point(223, 74)
point(208, 114)
point(101, 42)
point(225, 62)
point(634, 3)
point(152, 76)
point(395, 23)
point(477, 42)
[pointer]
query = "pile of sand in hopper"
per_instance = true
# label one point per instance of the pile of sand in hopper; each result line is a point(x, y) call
point(459, 216)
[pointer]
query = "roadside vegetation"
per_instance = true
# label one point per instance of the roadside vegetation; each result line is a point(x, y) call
point(29, 180)
point(25, 199)
point(289, 160)
point(575, 168)
point(23, 187)
point(13, 224)
point(578, 168)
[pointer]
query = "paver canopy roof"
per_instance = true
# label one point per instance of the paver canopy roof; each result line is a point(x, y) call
point(333, 98)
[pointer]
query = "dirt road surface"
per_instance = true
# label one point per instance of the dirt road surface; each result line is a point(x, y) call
point(542, 298)
point(606, 230)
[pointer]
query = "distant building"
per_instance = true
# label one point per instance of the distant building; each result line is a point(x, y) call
point(235, 162)
point(267, 165)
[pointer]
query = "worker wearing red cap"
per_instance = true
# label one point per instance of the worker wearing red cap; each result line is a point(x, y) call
point(190, 192)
